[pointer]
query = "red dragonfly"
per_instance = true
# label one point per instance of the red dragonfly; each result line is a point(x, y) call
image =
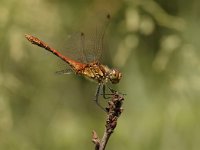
point(89, 65)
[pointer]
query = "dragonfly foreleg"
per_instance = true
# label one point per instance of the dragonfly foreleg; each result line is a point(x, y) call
point(97, 97)
point(104, 92)
point(111, 90)
point(114, 91)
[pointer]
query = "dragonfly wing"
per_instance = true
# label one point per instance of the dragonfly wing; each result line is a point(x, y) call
point(87, 47)
point(94, 43)
point(65, 71)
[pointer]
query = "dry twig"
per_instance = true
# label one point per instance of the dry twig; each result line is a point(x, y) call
point(114, 110)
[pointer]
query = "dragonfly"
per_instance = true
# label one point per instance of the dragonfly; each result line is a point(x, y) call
point(88, 65)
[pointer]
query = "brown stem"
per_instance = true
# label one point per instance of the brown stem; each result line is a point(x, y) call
point(114, 110)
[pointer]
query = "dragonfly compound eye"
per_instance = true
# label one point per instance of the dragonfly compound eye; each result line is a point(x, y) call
point(115, 76)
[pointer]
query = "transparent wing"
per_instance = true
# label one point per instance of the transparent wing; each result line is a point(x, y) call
point(87, 46)
point(99, 34)
point(65, 71)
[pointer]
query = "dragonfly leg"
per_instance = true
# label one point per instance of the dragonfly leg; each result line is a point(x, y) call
point(97, 97)
point(114, 91)
point(104, 92)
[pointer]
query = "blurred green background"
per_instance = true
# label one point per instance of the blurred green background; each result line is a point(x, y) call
point(155, 43)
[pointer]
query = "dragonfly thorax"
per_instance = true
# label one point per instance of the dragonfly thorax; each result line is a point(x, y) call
point(101, 73)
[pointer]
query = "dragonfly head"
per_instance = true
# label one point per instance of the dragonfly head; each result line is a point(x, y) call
point(115, 76)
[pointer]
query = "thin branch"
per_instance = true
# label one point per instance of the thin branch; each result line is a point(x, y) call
point(114, 110)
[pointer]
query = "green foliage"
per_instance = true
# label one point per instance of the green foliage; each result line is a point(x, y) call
point(155, 45)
